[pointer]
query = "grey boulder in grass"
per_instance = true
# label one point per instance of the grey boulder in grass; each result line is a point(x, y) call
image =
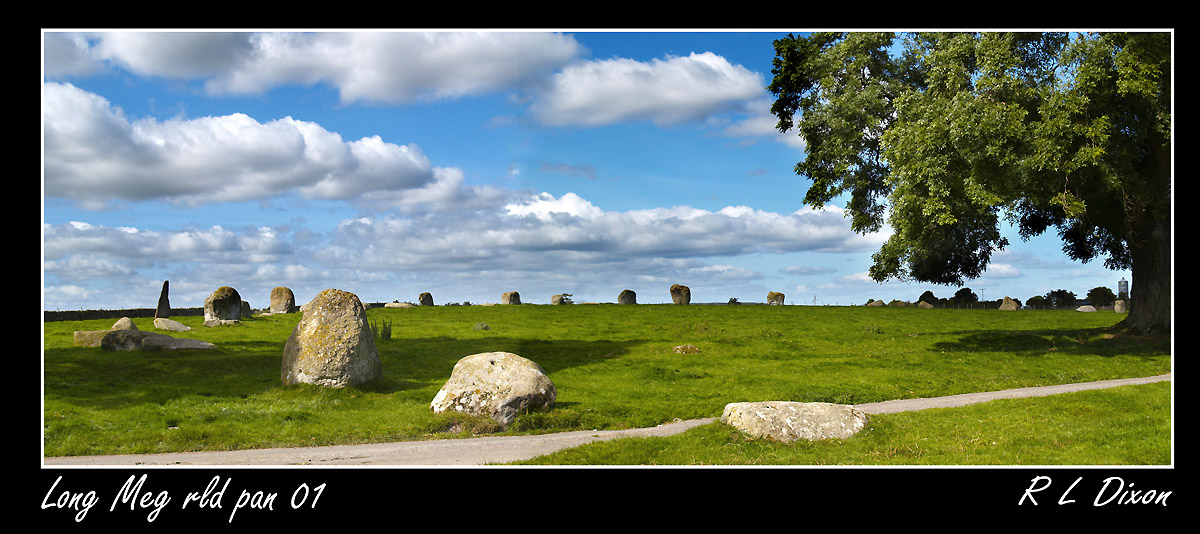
point(332, 345)
point(787, 421)
point(499, 385)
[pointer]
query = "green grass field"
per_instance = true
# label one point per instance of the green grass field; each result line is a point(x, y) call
point(614, 368)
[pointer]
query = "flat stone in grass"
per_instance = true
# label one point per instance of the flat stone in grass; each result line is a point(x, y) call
point(1088, 309)
point(332, 345)
point(135, 340)
point(499, 385)
point(787, 421)
point(170, 325)
point(92, 338)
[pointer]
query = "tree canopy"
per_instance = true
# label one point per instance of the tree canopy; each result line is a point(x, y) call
point(945, 136)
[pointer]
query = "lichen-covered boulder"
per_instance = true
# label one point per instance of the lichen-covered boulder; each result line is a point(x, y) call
point(681, 294)
point(224, 304)
point(425, 299)
point(1009, 304)
point(283, 300)
point(499, 385)
point(775, 298)
point(332, 345)
point(924, 305)
point(787, 421)
point(877, 303)
point(124, 323)
point(1086, 308)
point(511, 297)
point(562, 299)
point(627, 297)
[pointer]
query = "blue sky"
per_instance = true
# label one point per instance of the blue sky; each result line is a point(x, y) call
point(463, 164)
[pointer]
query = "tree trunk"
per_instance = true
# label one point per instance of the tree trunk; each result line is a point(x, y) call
point(1150, 290)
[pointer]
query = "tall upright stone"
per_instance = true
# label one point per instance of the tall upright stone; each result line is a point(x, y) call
point(511, 297)
point(283, 300)
point(775, 298)
point(627, 297)
point(224, 304)
point(163, 310)
point(425, 299)
point(332, 345)
point(681, 294)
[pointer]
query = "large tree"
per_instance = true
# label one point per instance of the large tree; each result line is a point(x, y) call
point(945, 136)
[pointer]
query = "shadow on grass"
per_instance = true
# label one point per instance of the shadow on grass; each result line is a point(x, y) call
point(93, 377)
point(1101, 342)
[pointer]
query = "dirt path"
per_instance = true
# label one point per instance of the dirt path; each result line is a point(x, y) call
point(502, 449)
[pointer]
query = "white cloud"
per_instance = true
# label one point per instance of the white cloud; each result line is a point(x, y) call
point(667, 91)
point(383, 67)
point(93, 152)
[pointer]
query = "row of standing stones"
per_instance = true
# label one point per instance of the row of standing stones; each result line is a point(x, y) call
point(333, 345)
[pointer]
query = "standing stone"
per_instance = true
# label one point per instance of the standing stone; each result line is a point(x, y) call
point(224, 304)
point(1009, 304)
point(247, 311)
point(788, 421)
point(627, 297)
point(564, 298)
point(163, 309)
point(512, 297)
point(283, 300)
point(774, 298)
point(1119, 306)
point(425, 299)
point(499, 385)
point(332, 345)
point(681, 294)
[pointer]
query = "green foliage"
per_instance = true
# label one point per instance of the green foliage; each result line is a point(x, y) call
point(382, 332)
point(1060, 298)
point(961, 131)
point(1101, 296)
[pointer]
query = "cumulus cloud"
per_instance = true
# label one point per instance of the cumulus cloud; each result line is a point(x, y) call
point(665, 91)
point(381, 67)
point(571, 230)
point(92, 151)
